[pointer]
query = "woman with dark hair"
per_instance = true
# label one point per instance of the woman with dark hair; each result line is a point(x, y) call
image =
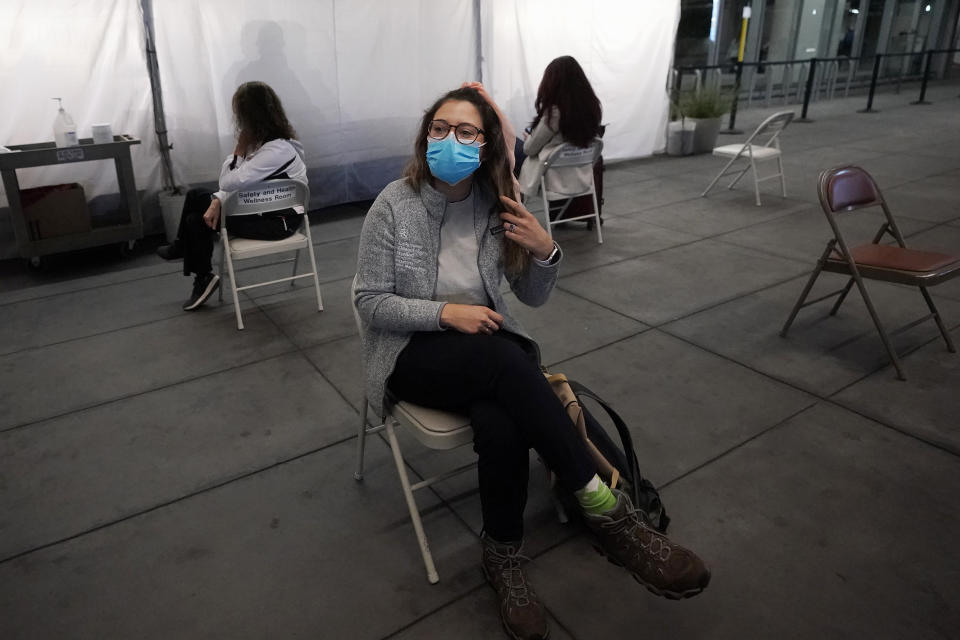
point(567, 111)
point(436, 331)
point(266, 149)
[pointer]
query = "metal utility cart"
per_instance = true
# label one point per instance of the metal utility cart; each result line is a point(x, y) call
point(47, 153)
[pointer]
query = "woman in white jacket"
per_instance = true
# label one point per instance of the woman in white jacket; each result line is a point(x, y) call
point(266, 149)
point(567, 111)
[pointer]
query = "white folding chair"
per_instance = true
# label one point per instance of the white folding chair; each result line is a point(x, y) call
point(567, 155)
point(755, 153)
point(267, 196)
point(434, 429)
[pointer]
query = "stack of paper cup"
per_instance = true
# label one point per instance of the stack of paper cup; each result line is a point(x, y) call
point(102, 133)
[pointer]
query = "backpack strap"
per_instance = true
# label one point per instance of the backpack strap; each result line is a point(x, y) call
point(640, 484)
point(281, 173)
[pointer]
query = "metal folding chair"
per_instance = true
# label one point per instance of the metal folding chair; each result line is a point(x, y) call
point(851, 188)
point(754, 153)
point(434, 429)
point(267, 196)
point(567, 155)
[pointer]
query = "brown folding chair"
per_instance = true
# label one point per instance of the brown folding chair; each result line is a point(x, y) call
point(849, 188)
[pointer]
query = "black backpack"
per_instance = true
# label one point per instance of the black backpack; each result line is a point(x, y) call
point(623, 457)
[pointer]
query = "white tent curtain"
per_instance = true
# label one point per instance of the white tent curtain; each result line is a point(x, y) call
point(624, 46)
point(90, 54)
point(354, 75)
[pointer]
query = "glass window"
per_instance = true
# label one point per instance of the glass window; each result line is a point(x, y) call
point(810, 31)
point(696, 34)
point(901, 29)
point(731, 16)
point(871, 30)
point(848, 26)
point(779, 19)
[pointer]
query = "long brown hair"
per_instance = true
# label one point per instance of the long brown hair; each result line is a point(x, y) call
point(259, 116)
point(565, 86)
point(494, 173)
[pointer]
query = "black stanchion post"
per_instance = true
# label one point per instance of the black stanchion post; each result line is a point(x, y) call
point(736, 99)
point(811, 76)
point(923, 83)
point(873, 84)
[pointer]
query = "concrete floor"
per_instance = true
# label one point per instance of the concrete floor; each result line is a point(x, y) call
point(164, 476)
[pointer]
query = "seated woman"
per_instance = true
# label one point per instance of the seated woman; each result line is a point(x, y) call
point(567, 111)
point(437, 332)
point(266, 149)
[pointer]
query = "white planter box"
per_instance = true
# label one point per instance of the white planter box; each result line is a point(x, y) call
point(706, 133)
point(680, 138)
point(171, 206)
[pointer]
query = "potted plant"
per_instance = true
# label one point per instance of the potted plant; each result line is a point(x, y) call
point(705, 108)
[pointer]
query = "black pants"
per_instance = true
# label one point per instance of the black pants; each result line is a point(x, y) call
point(519, 156)
point(496, 382)
point(197, 238)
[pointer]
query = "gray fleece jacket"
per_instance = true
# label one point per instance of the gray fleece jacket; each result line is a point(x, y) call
point(397, 275)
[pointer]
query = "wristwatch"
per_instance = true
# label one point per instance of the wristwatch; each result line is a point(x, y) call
point(552, 258)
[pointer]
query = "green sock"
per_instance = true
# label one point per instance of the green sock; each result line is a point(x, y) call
point(596, 497)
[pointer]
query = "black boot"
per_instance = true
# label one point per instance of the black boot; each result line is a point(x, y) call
point(662, 566)
point(172, 251)
point(203, 287)
point(522, 613)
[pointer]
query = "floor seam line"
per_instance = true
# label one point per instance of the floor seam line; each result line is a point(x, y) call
point(90, 335)
point(829, 398)
point(441, 607)
point(143, 392)
point(83, 289)
point(170, 502)
point(717, 237)
point(301, 351)
point(737, 446)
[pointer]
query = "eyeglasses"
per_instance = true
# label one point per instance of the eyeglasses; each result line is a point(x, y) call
point(465, 133)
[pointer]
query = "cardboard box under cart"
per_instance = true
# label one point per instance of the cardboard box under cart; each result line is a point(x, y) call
point(56, 210)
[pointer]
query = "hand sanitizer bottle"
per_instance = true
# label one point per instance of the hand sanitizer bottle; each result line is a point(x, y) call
point(64, 129)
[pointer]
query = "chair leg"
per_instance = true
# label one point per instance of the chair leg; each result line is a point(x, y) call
point(883, 332)
point(313, 264)
point(361, 440)
point(756, 181)
point(803, 296)
point(296, 261)
point(432, 576)
point(740, 174)
point(596, 216)
point(220, 288)
point(233, 282)
point(843, 296)
point(546, 214)
point(783, 179)
point(718, 176)
point(938, 320)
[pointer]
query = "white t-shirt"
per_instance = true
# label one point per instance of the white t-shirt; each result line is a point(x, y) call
point(458, 274)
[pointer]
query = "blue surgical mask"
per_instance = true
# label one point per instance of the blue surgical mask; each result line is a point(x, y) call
point(452, 161)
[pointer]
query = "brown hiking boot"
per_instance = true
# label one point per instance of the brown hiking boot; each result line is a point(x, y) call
point(665, 568)
point(520, 610)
